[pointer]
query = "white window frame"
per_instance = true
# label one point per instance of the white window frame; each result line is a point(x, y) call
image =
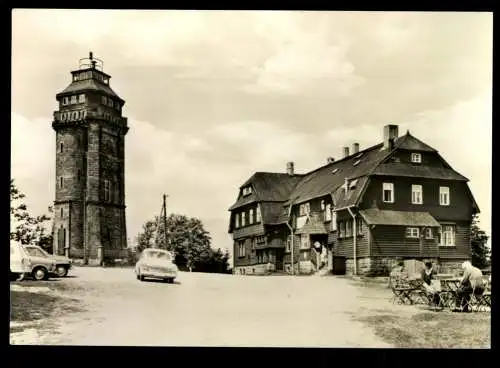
point(250, 216)
point(304, 209)
point(416, 157)
point(305, 241)
point(237, 220)
point(73, 99)
point(334, 220)
point(258, 216)
point(81, 98)
point(328, 212)
point(359, 226)
point(447, 237)
point(65, 101)
point(243, 219)
point(348, 228)
point(417, 194)
point(444, 196)
point(412, 232)
point(429, 233)
point(342, 227)
point(288, 246)
point(241, 249)
point(322, 205)
point(388, 187)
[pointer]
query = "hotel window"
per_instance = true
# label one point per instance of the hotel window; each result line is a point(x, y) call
point(257, 214)
point(304, 209)
point(247, 191)
point(444, 196)
point(341, 229)
point(428, 233)
point(241, 248)
point(250, 216)
point(243, 218)
point(81, 98)
point(322, 205)
point(447, 236)
point(416, 194)
point(334, 220)
point(328, 212)
point(388, 192)
point(304, 241)
point(73, 99)
point(412, 232)
point(254, 242)
point(359, 226)
point(65, 101)
point(348, 228)
point(416, 158)
point(288, 243)
point(237, 220)
point(104, 100)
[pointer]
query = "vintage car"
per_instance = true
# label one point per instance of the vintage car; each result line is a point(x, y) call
point(30, 261)
point(156, 264)
point(63, 263)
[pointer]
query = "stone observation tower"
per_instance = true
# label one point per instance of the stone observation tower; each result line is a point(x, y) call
point(89, 207)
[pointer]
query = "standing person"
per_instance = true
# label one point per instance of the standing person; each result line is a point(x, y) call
point(472, 281)
point(428, 275)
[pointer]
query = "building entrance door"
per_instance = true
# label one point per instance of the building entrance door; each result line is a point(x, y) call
point(279, 259)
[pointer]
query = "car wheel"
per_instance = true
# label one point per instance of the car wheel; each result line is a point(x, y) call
point(21, 276)
point(40, 273)
point(61, 271)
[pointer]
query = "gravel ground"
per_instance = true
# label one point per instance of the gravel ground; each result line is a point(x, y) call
point(110, 307)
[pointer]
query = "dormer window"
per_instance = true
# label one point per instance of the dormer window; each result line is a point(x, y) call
point(359, 155)
point(247, 191)
point(334, 171)
point(353, 183)
point(416, 158)
point(356, 162)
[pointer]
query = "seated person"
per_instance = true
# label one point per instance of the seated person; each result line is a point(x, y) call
point(472, 281)
point(430, 282)
point(399, 276)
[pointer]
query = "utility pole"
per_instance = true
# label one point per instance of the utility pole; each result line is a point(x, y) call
point(165, 220)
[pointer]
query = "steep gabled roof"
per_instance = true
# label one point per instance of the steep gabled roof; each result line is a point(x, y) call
point(327, 179)
point(267, 187)
point(409, 142)
point(431, 172)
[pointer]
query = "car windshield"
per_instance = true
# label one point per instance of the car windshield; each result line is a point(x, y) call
point(35, 252)
point(158, 255)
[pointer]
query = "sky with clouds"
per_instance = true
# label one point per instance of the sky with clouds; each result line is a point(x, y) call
point(213, 96)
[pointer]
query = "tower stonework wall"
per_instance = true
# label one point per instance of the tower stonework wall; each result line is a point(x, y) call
point(89, 219)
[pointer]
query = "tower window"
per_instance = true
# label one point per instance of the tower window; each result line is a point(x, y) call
point(61, 147)
point(62, 212)
point(78, 174)
point(61, 182)
point(107, 190)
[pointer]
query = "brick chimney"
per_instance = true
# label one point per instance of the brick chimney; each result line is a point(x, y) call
point(390, 135)
point(289, 168)
point(355, 148)
point(330, 160)
point(346, 152)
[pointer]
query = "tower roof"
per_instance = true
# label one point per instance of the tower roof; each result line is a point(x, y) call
point(90, 77)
